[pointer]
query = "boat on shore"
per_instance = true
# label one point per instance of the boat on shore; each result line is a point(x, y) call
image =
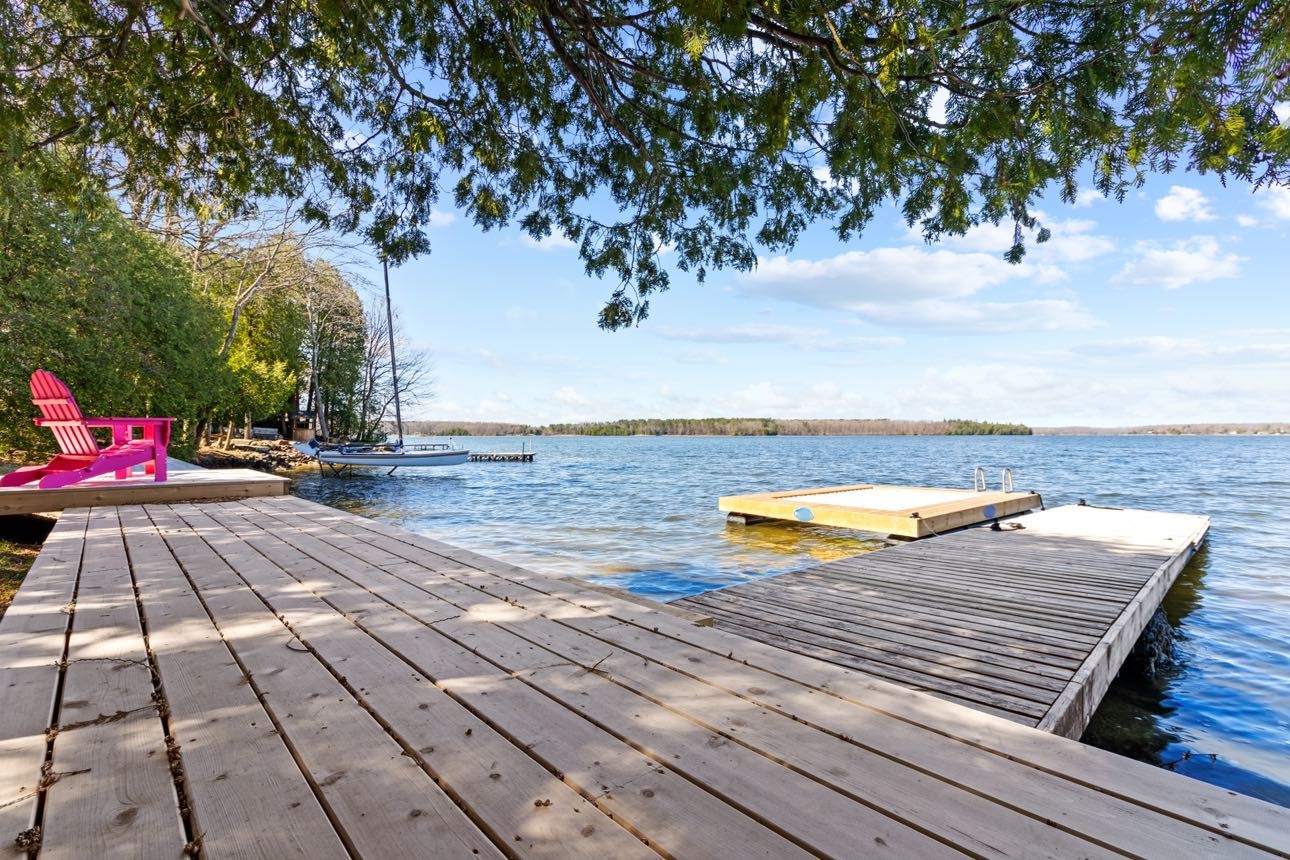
point(395, 454)
point(388, 456)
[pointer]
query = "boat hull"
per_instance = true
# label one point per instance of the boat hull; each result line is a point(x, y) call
point(391, 459)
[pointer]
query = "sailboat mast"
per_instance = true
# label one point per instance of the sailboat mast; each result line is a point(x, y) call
point(394, 370)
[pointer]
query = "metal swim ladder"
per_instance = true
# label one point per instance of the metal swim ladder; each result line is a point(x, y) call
point(1005, 481)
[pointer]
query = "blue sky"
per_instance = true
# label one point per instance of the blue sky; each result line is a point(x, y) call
point(1171, 307)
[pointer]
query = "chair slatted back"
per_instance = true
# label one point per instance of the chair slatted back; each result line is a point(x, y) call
point(61, 415)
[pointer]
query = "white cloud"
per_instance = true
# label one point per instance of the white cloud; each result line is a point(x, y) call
point(705, 357)
point(853, 278)
point(570, 396)
point(982, 317)
point(1275, 199)
point(1220, 345)
point(936, 109)
point(1073, 241)
point(1247, 220)
point(440, 218)
point(1198, 259)
point(555, 242)
point(798, 337)
point(1183, 204)
point(1086, 198)
point(1282, 110)
point(821, 399)
point(938, 288)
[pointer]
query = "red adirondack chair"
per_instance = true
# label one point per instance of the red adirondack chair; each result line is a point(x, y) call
point(82, 458)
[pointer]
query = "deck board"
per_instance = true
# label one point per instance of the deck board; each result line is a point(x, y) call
point(33, 641)
point(184, 483)
point(421, 698)
point(1031, 621)
point(113, 795)
point(253, 799)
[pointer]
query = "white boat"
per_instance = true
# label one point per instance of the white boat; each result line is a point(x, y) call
point(390, 457)
point(395, 454)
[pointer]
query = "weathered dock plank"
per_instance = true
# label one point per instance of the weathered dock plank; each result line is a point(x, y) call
point(33, 642)
point(1030, 622)
point(415, 698)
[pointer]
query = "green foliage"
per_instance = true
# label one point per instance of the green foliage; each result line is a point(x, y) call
point(109, 310)
point(962, 427)
point(122, 319)
point(703, 124)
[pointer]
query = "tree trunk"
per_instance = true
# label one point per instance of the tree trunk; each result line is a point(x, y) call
point(322, 410)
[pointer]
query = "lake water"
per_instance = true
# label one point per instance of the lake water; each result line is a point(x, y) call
point(640, 513)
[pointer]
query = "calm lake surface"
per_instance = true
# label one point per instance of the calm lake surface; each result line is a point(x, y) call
point(640, 513)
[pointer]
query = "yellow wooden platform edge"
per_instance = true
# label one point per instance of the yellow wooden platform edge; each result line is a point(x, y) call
point(912, 522)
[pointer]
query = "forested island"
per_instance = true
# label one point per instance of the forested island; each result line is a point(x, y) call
point(725, 427)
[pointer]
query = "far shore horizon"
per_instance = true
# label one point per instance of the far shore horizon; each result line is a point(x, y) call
point(831, 427)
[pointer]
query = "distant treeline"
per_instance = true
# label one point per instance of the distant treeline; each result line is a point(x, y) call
point(1272, 429)
point(725, 427)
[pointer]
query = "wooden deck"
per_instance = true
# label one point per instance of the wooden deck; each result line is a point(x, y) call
point(1030, 624)
point(273, 678)
point(906, 512)
point(184, 483)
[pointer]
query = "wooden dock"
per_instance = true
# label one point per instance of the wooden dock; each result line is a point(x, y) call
point(1030, 623)
point(274, 678)
point(184, 483)
point(502, 456)
point(904, 512)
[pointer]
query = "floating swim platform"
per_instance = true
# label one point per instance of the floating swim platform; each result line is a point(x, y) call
point(1030, 623)
point(906, 512)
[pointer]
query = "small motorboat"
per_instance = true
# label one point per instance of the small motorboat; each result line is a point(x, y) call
point(388, 456)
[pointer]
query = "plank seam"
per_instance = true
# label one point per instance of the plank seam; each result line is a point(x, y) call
point(562, 661)
point(183, 794)
point(409, 749)
point(30, 839)
point(1047, 820)
point(1123, 796)
point(259, 694)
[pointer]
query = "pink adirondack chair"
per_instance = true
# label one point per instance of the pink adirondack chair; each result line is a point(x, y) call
point(82, 458)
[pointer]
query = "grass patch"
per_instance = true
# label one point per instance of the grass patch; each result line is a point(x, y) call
point(20, 541)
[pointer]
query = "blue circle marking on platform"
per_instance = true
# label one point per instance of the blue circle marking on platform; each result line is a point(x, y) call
point(804, 514)
point(988, 512)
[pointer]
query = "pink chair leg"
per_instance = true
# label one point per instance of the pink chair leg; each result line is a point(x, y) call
point(159, 464)
point(150, 435)
point(121, 435)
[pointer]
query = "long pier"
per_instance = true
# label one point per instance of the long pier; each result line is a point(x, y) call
point(1030, 622)
point(275, 678)
point(502, 456)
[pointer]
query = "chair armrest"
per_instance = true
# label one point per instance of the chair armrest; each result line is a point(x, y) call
point(126, 422)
